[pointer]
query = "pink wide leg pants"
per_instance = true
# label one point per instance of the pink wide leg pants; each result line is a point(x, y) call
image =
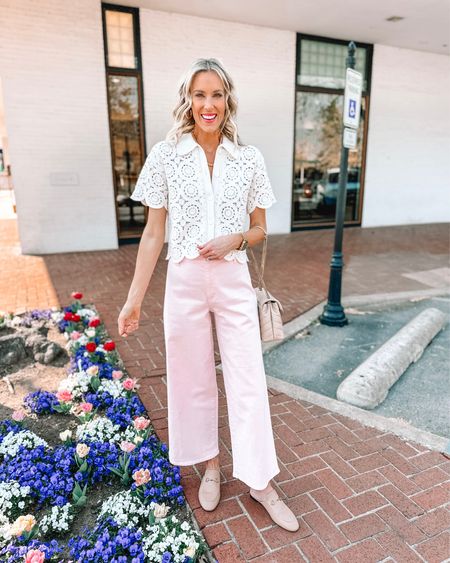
point(194, 289)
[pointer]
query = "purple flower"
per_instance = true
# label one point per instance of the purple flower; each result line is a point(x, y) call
point(41, 402)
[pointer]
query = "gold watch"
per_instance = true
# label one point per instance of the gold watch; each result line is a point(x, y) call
point(244, 243)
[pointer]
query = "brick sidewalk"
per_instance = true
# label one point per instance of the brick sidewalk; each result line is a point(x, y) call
point(360, 494)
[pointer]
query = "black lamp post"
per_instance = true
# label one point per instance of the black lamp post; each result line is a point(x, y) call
point(333, 312)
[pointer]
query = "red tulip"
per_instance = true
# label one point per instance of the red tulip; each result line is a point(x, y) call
point(91, 347)
point(109, 346)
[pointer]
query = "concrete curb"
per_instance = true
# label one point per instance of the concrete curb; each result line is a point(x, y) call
point(368, 385)
point(302, 321)
point(395, 426)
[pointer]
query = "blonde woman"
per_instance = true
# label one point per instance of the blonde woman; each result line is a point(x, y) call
point(208, 183)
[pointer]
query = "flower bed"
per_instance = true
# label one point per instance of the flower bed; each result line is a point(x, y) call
point(108, 452)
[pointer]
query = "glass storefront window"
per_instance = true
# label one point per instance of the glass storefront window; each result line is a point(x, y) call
point(321, 67)
point(120, 39)
point(125, 107)
point(123, 93)
point(323, 64)
point(317, 157)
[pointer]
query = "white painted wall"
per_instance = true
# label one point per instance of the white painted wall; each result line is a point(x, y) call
point(54, 89)
point(408, 158)
point(261, 62)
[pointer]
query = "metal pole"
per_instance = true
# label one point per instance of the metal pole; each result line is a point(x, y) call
point(333, 312)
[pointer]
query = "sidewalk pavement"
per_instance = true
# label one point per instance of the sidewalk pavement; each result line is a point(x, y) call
point(361, 494)
point(319, 358)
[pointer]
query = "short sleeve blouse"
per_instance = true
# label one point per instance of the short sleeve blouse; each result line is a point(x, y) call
point(176, 176)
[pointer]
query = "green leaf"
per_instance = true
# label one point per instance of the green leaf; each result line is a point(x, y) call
point(95, 382)
point(79, 495)
point(115, 471)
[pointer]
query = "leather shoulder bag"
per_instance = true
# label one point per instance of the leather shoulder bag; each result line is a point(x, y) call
point(269, 308)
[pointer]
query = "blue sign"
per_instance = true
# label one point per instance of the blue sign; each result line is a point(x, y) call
point(352, 98)
point(352, 108)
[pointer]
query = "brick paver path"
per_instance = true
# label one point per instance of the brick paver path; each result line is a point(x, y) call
point(360, 494)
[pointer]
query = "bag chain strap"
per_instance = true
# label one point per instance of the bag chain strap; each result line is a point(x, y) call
point(260, 270)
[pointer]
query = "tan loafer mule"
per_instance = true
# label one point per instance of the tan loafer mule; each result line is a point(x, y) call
point(209, 491)
point(280, 513)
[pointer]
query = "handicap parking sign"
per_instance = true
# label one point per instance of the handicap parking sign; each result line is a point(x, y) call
point(352, 108)
point(352, 98)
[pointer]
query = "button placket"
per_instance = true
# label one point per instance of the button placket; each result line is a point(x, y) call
point(209, 194)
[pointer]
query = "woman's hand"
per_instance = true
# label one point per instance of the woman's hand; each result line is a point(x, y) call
point(128, 320)
point(217, 248)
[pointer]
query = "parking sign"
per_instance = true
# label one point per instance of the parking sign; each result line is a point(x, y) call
point(352, 98)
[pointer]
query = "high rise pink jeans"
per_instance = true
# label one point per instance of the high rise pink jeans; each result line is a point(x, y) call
point(195, 288)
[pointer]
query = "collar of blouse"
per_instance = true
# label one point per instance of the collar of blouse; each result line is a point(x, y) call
point(187, 142)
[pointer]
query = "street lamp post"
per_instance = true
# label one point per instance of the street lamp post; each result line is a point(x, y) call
point(333, 313)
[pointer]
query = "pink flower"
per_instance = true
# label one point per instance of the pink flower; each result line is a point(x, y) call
point(141, 423)
point(24, 523)
point(86, 407)
point(64, 396)
point(128, 384)
point(82, 450)
point(117, 374)
point(141, 477)
point(75, 335)
point(92, 370)
point(35, 556)
point(127, 446)
point(18, 415)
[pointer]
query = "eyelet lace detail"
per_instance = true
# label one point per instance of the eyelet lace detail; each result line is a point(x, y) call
point(179, 183)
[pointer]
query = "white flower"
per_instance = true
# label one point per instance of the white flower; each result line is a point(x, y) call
point(86, 313)
point(15, 321)
point(12, 495)
point(5, 527)
point(125, 508)
point(66, 435)
point(113, 387)
point(77, 383)
point(57, 520)
point(99, 429)
point(90, 332)
point(164, 536)
point(160, 510)
point(57, 316)
point(13, 440)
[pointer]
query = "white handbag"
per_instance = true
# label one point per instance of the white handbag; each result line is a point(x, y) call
point(269, 307)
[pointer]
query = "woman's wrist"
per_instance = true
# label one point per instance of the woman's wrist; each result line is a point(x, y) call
point(254, 235)
point(237, 241)
point(133, 302)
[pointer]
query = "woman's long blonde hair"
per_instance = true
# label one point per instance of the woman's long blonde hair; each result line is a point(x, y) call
point(182, 113)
